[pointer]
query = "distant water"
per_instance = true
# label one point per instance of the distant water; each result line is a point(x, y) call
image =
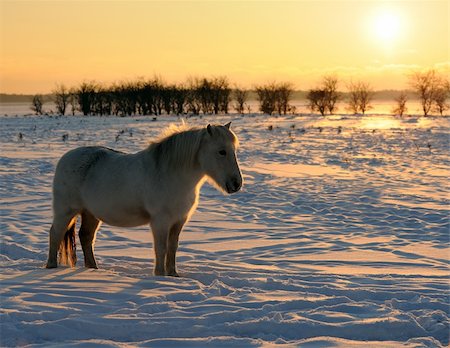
point(378, 107)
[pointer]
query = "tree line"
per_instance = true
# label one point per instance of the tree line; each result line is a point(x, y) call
point(216, 95)
point(148, 97)
point(431, 88)
point(154, 97)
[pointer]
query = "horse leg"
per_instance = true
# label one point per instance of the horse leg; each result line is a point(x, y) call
point(88, 230)
point(61, 224)
point(160, 233)
point(172, 246)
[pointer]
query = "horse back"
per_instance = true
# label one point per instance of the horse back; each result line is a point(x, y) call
point(81, 160)
point(75, 166)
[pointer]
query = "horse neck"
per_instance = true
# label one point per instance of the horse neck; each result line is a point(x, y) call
point(189, 176)
point(188, 173)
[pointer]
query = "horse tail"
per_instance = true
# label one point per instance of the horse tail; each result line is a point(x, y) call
point(68, 248)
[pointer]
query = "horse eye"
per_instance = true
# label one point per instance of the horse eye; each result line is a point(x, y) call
point(222, 152)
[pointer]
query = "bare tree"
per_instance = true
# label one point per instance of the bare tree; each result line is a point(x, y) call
point(219, 94)
point(37, 104)
point(324, 97)
point(146, 97)
point(267, 97)
point(440, 99)
point(318, 101)
point(274, 97)
point(330, 85)
point(86, 97)
point(360, 97)
point(179, 99)
point(193, 103)
point(400, 101)
point(284, 94)
point(73, 100)
point(425, 85)
point(62, 97)
point(103, 101)
point(241, 96)
point(204, 94)
point(353, 101)
point(365, 97)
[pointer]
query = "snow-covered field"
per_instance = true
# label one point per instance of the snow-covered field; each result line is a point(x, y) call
point(340, 238)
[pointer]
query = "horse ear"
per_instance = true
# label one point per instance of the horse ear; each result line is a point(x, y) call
point(209, 129)
point(228, 125)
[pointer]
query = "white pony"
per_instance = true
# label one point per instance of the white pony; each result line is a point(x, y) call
point(159, 185)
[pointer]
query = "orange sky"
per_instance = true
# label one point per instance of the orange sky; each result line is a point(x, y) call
point(49, 42)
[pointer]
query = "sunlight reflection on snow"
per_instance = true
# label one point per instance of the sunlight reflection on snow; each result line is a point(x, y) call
point(380, 122)
point(297, 170)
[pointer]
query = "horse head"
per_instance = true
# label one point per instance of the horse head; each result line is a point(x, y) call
point(217, 158)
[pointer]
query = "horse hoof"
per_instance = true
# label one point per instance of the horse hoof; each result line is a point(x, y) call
point(90, 266)
point(173, 274)
point(51, 265)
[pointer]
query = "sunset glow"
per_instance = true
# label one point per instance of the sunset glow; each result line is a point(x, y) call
point(387, 26)
point(49, 42)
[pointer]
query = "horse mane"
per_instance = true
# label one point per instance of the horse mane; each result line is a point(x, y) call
point(177, 146)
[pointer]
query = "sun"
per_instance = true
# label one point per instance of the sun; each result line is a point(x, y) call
point(386, 26)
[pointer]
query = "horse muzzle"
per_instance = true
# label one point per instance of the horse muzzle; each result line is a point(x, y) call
point(234, 185)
